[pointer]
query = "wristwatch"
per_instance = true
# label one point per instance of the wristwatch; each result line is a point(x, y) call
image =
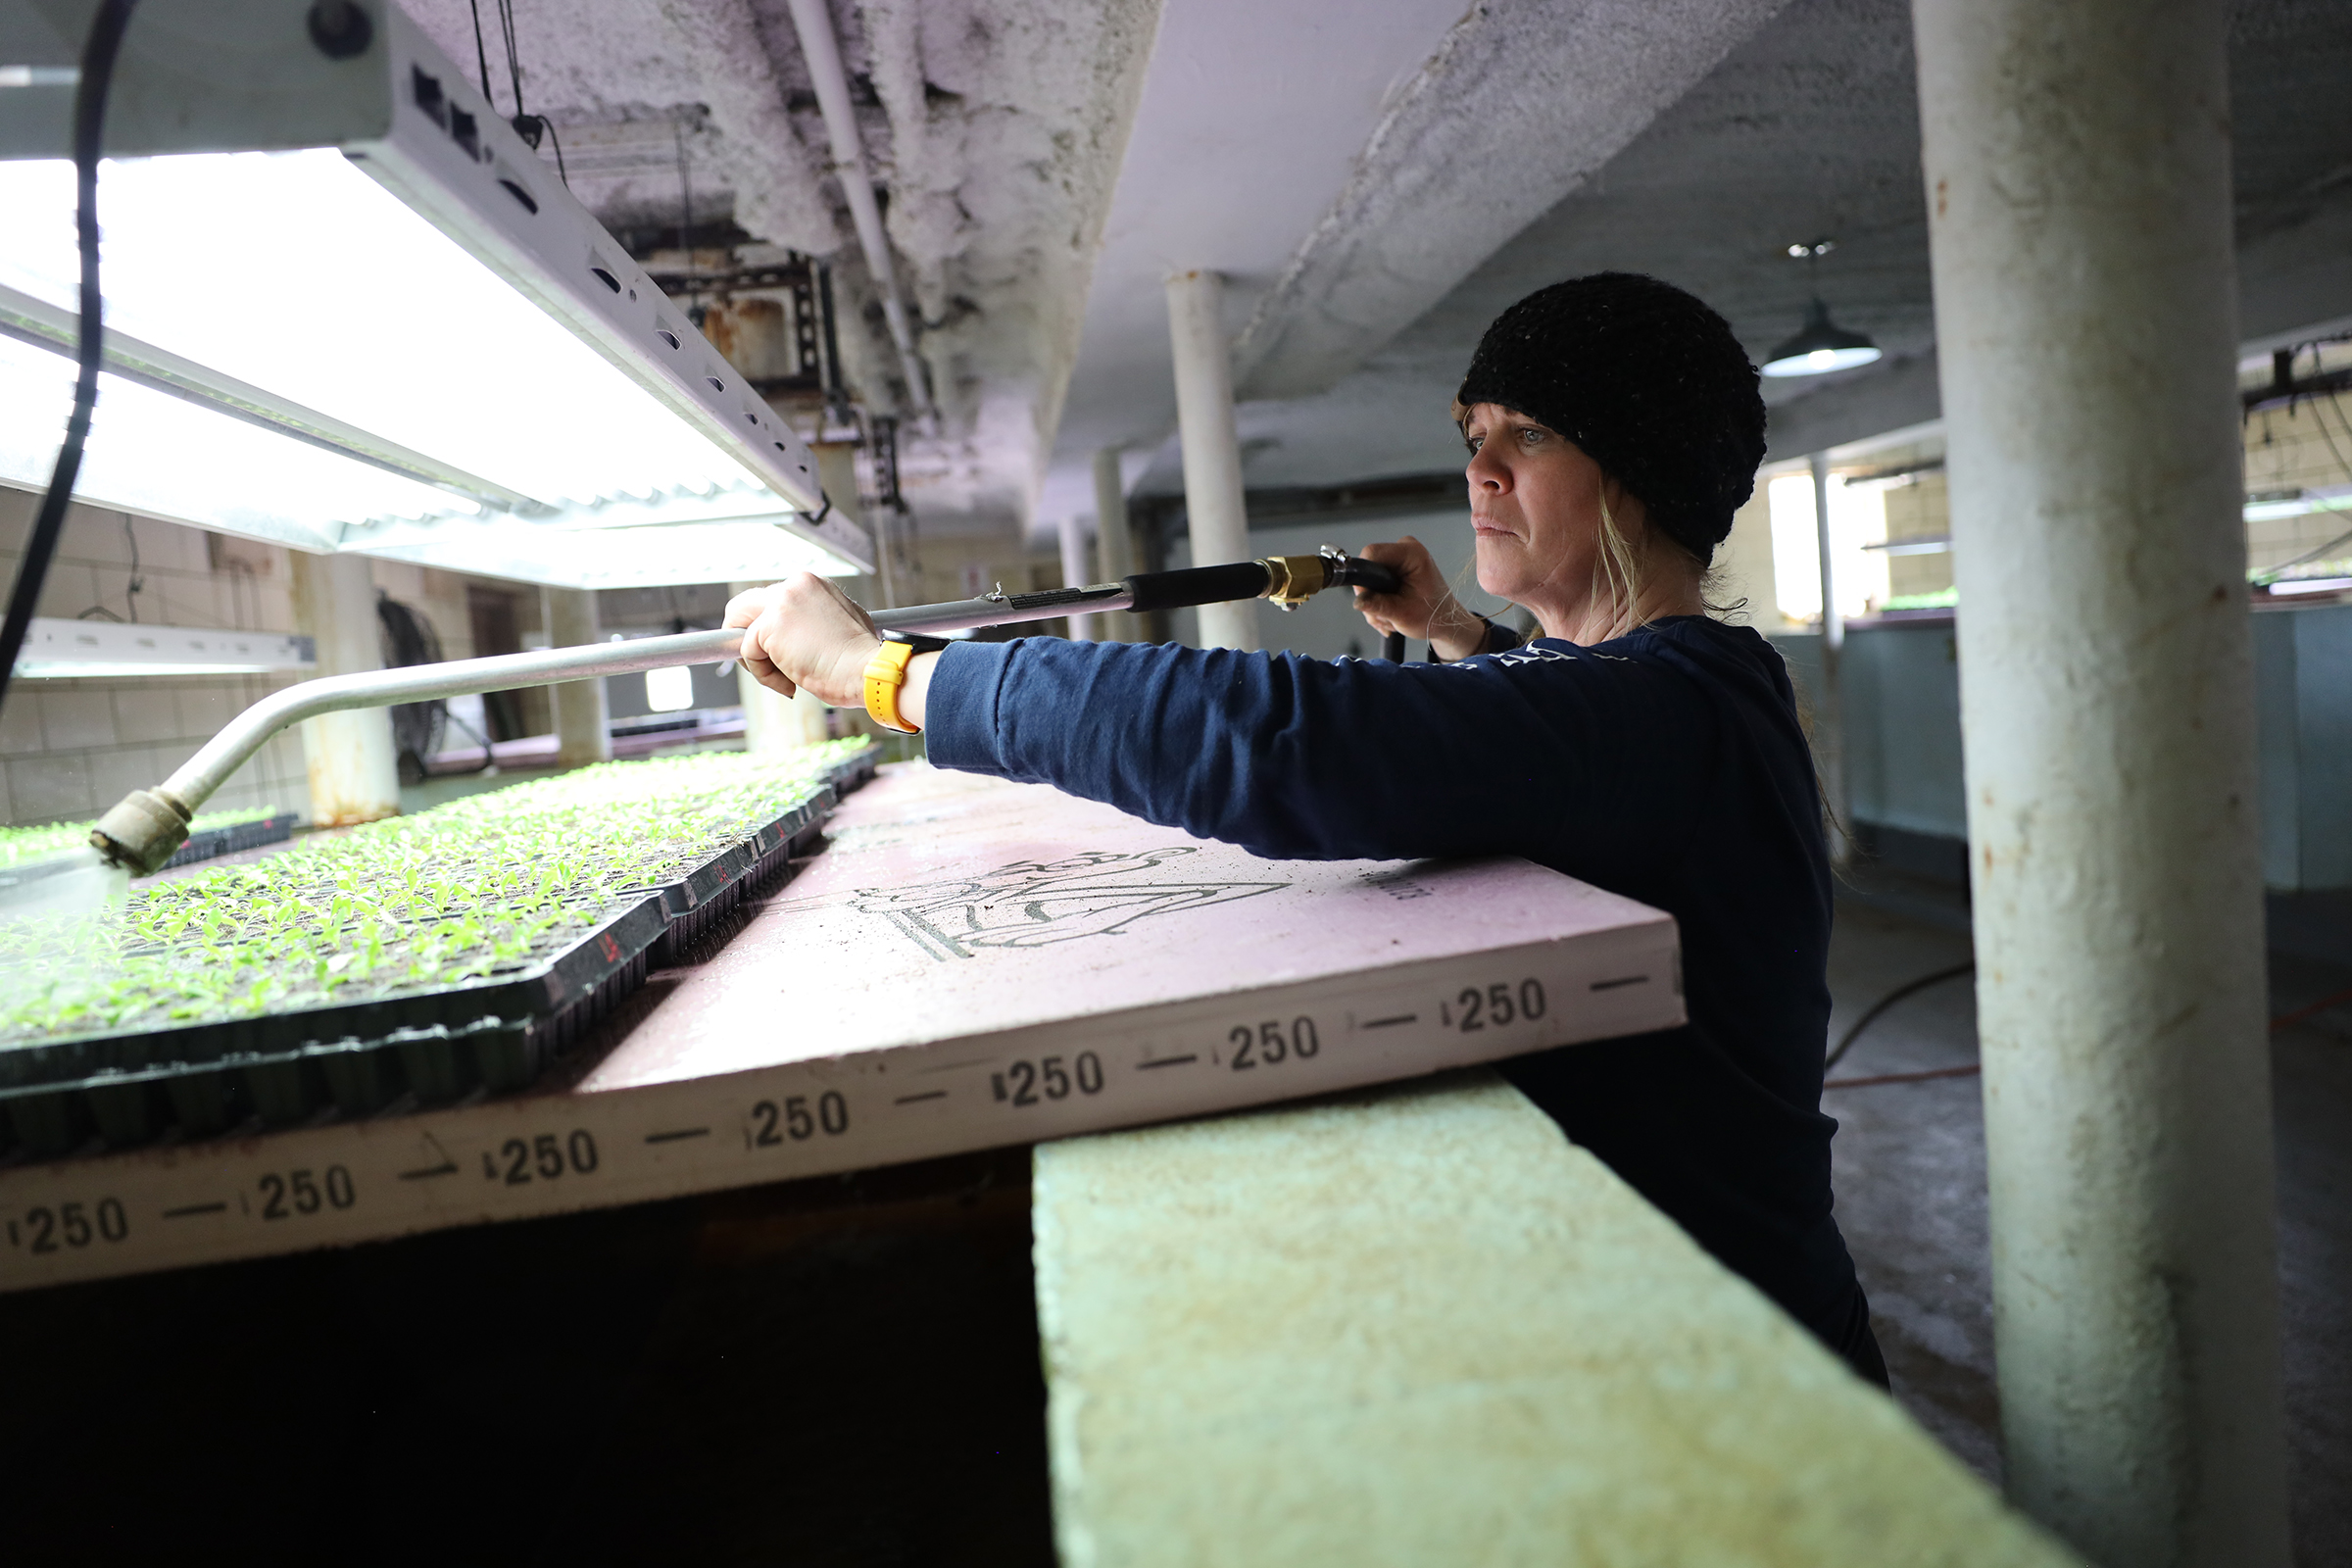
point(885, 677)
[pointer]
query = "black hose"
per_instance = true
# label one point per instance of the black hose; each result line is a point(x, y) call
point(1907, 987)
point(1373, 576)
point(98, 54)
point(1196, 585)
point(1378, 578)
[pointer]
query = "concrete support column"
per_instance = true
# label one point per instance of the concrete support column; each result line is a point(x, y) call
point(1214, 515)
point(353, 771)
point(771, 720)
point(1114, 545)
point(582, 733)
point(1829, 713)
point(1077, 563)
point(2077, 160)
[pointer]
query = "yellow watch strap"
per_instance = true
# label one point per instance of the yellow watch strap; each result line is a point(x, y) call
point(885, 674)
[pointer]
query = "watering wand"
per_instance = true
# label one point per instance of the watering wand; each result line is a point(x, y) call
point(146, 826)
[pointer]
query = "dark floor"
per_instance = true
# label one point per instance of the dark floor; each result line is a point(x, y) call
point(838, 1371)
point(1910, 1173)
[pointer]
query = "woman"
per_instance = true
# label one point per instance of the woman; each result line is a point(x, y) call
point(1614, 426)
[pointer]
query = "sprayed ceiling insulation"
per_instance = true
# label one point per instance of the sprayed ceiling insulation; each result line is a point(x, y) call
point(993, 128)
point(1375, 178)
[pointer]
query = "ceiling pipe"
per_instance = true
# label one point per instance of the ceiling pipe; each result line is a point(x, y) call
point(823, 53)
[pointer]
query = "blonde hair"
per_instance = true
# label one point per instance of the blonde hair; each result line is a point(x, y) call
point(1616, 569)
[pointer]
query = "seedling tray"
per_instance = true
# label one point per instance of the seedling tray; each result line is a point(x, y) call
point(493, 1034)
point(210, 844)
point(24, 850)
point(697, 902)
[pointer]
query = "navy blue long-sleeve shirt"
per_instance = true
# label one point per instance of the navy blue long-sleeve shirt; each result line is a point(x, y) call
point(1667, 766)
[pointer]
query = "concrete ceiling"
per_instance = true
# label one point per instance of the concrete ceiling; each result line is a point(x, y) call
point(1377, 178)
point(995, 127)
point(1807, 128)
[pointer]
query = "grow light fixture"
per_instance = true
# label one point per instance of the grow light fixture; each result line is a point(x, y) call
point(2302, 503)
point(1914, 544)
point(726, 535)
point(383, 323)
point(80, 650)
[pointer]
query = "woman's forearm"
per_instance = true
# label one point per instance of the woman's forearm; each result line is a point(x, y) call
point(914, 696)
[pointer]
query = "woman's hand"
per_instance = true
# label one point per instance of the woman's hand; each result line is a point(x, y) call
point(1423, 604)
point(804, 634)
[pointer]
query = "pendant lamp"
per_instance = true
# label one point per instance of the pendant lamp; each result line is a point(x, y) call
point(1821, 345)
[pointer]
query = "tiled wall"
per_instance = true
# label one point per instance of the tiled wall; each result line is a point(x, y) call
point(70, 748)
point(2306, 447)
point(1922, 506)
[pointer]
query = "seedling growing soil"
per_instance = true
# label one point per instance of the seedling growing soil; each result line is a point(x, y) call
point(482, 886)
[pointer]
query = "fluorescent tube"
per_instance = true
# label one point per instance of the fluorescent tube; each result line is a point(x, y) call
point(65, 650)
point(2337, 498)
point(159, 455)
point(336, 296)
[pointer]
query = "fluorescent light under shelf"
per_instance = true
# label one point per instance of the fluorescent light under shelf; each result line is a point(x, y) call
point(333, 293)
point(1917, 544)
point(161, 457)
point(2337, 498)
point(80, 650)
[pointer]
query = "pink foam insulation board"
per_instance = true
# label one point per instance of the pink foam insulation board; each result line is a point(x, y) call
point(967, 964)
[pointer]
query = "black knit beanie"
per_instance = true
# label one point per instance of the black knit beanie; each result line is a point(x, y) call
point(1647, 380)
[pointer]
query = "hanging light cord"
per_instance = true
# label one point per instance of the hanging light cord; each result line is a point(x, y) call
point(506, 27)
point(482, 54)
point(98, 55)
point(530, 128)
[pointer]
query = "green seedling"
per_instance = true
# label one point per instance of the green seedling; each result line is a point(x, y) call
point(485, 885)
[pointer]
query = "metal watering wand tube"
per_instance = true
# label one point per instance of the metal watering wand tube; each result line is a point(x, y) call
point(146, 826)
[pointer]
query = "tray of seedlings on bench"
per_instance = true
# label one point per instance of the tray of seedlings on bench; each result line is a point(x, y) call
point(415, 961)
point(211, 835)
